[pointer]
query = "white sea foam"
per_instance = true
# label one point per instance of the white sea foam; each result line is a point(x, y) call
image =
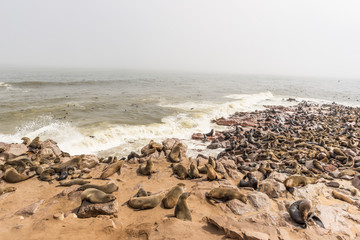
point(121, 139)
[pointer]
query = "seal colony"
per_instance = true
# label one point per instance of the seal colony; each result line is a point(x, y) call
point(280, 154)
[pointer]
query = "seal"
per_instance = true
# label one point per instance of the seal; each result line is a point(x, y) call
point(179, 170)
point(12, 176)
point(172, 196)
point(225, 194)
point(96, 196)
point(147, 168)
point(147, 202)
point(73, 182)
point(6, 190)
point(46, 175)
point(65, 173)
point(142, 193)
point(113, 168)
point(299, 211)
point(175, 154)
point(294, 181)
point(342, 197)
point(71, 163)
point(107, 188)
point(26, 141)
point(252, 181)
point(182, 210)
point(194, 171)
point(35, 143)
point(203, 169)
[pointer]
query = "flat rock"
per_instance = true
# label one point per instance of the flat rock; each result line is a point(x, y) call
point(88, 209)
point(228, 164)
point(15, 149)
point(280, 177)
point(238, 207)
point(30, 209)
point(229, 225)
point(272, 188)
point(259, 200)
point(50, 147)
point(88, 161)
point(169, 143)
point(251, 235)
point(333, 184)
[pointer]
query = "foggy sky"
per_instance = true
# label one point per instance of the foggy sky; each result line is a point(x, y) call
point(305, 38)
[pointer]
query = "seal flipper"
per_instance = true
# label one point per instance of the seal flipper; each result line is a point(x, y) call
point(80, 207)
point(290, 190)
point(317, 221)
point(125, 203)
point(119, 172)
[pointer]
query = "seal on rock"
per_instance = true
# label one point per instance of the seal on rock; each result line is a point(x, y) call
point(300, 212)
point(294, 181)
point(225, 194)
point(182, 210)
point(172, 196)
point(96, 196)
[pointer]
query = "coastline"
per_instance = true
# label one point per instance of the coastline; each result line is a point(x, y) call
point(264, 216)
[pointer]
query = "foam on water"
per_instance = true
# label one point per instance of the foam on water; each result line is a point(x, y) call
point(121, 139)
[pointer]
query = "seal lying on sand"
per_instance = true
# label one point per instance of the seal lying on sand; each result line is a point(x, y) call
point(12, 176)
point(113, 168)
point(182, 210)
point(147, 169)
point(147, 202)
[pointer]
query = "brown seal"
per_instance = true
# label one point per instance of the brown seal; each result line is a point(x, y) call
point(299, 211)
point(194, 171)
point(71, 163)
point(182, 210)
point(226, 194)
point(294, 181)
point(147, 168)
point(6, 190)
point(26, 141)
point(342, 197)
point(107, 188)
point(179, 170)
point(12, 176)
point(175, 154)
point(252, 181)
point(203, 169)
point(73, 182)
point(96, 196)
point(35, 143)
point(147, 202)
point(46, 175)
point(172, 196)
point(113, 168)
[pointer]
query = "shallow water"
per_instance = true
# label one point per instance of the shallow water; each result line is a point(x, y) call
point(123, 110)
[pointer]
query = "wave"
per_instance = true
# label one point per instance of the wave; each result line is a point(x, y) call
point(121, 139)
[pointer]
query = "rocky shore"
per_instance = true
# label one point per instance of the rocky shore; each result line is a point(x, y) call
point(269, 160)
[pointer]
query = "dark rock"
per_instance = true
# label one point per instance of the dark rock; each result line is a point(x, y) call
point(88, 209)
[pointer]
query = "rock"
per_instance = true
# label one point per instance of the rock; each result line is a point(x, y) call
point(88, 209)
point(238, 207)
point(235, 174)
point(329, 167)
point(272, 188)
point(214, 145)
point(228, 225)
point(68, 190)
point(30, 209)
point(251, 235)
point(50, 147)
point(15, 149)
point(58, 216)
point(347, 177)
point(259, 200)
point(310, 191)
point(169, 143)
point(228, 164)
point(220, 168)
point(280, 177)
point(88, 161)
point(356, 181)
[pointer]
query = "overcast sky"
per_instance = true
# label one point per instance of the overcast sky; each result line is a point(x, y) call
point(305, 38)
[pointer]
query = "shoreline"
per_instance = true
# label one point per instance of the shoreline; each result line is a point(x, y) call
point(315, 141)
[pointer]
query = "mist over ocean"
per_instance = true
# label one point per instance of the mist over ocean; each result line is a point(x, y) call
point(120, 111)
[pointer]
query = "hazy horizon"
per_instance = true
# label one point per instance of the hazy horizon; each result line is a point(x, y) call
point(277, 38)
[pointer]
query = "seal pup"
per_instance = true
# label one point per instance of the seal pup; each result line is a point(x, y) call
point(294, 181)
point(142, 193)
point(73, 182)
point(179, 170)
point(147, 168)
point(175, 154)
point(194, 171)
point(113, 168)
point(146, 202)
point(107, 188)
point(342, 197)
point(300, 212)
point(6, 190)
point(182, 210)
point(225, 194)
point(12, 176)
point(172, 196)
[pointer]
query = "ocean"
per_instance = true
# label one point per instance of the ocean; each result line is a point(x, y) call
point(113, 112)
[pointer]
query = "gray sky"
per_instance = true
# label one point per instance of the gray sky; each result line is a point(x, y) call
point(308, 38)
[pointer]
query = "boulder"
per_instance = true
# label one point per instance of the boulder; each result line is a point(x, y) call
point(30, 209)
point(50, 147)
point(272, 188)
point(228, 163)
point(259, 200)
point(280, 177)
point(220, 168)
point(15, 149)
point(310, 191)
point(88, 209)
point(169, 143)
point(238, 207)
point(229, 225)
point(88, 161)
